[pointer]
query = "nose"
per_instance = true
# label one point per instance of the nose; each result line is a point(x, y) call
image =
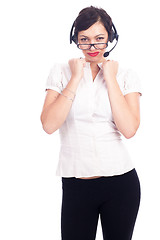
point(92, 48)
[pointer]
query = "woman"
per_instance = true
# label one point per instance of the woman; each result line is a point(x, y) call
point(92, 101)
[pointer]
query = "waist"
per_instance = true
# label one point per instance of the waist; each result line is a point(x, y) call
point(101, 131)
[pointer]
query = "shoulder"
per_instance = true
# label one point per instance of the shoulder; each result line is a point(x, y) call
point(127, 74)
point(128, 79)
point(124, 71)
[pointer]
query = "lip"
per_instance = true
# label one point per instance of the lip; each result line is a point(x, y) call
point(93, 54)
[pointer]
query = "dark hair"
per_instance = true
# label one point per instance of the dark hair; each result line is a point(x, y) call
point(90, 15)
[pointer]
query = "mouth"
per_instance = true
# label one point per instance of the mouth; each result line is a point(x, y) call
point(93, 54)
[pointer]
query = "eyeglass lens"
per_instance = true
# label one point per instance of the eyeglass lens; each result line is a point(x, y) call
point(88, 46)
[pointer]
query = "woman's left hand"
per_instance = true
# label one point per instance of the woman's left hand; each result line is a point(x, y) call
point(110, 69)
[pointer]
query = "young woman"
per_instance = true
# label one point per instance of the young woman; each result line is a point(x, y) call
point(93, 101)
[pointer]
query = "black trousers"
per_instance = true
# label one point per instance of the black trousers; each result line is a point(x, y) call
point(115, 199)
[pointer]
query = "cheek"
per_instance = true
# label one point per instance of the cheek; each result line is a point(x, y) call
point(102, 52)
point(84, 52)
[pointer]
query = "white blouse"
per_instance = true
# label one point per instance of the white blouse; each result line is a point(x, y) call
point(91, 145)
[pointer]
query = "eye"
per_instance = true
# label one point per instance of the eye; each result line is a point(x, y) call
point(84, 39)
point(100, 38)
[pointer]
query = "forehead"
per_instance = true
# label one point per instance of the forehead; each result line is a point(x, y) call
point(96, 29)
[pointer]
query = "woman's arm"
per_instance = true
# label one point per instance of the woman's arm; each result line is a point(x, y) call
point(125, 109)
point(56, 106)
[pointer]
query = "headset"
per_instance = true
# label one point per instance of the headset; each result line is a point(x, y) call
point(112, 36)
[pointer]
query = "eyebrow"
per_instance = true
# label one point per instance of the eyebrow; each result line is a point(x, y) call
point(95, 36)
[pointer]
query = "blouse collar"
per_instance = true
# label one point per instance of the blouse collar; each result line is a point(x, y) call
point(100, 65)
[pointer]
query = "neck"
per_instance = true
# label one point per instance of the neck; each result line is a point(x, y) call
point(94, 63)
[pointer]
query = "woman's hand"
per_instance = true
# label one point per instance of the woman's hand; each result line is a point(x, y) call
point(110, 69)
point(76, 66)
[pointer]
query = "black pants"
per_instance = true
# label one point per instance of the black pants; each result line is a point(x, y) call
point(116, 199)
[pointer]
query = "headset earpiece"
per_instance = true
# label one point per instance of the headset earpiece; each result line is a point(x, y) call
point(113, 34)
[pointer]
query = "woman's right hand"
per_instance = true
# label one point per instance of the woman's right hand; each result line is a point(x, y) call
point(76, 66)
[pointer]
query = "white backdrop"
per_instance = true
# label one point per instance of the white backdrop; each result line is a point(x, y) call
point(34, 35)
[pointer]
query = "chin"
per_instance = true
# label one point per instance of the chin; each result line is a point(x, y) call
point(94, 59)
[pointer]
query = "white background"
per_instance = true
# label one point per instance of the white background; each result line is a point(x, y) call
point(34, 35)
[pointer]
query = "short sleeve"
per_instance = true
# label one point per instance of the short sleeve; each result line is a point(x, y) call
point(54, 80)
point(131, 82)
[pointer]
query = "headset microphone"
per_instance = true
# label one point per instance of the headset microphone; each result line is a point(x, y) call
point(106, 54)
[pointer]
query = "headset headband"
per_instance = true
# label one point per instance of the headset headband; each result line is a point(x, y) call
point(114, 34)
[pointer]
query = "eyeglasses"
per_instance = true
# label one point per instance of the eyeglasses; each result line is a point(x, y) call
point(95, 45)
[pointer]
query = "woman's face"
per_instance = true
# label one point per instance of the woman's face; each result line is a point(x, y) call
point(95, 34)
